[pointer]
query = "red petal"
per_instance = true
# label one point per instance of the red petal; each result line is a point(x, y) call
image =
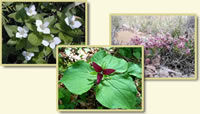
point(96, 67)
point(99, 77)
point(108, 71)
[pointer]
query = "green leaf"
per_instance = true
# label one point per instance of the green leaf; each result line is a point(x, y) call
point(54, 53)
point(19, 6)
point(126, 52)
point(12, 42)
point(111, 62)
point(47, 51)
point(135, 70)
point(75, 32)
point(67, 39)
point(50, 19)
point(18, 16)
point(21, 44)
point(31, 27)
point(64, 93)
point(117, 92)
point(77, 78)
point(137, 53)
point(47, 37)
point(39, 16)
point(11, 30)
point(97, 57)
point(34, 39)
point(33, 49)
point(54, 31)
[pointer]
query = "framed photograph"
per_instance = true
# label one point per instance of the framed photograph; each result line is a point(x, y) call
point(100, 78)
point(169, 40)
point(31, 30)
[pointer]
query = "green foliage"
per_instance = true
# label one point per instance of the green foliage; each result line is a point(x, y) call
point(117, 90)
point(78, 78)
point(14, 15)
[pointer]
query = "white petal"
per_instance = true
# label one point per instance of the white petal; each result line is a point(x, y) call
point(24, 53)
point(45, 43)
point(24, 35)
point(25, 29)
point(67, 20)
point(72, 18)
point(46, 24)
point(39, 29)
point(31, 54)
point(52, 45)
point(18, 35)
point(38, 23)
point(29, 14)
point(77, 24)
point(46, 31)
point(32, 7)
point(34, 12)
point(57, 40)
point(28, 58)
point(19, 29)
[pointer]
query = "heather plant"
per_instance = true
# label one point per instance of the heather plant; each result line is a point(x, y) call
point(100, 78)
point(168, 42)
point(32, 30)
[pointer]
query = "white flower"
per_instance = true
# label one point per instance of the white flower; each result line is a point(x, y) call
point(22, 32)
point(42, 27)
point(71, 21)
point(52, 43)
point(27, 55)
point(31, 10)
point(68, 51)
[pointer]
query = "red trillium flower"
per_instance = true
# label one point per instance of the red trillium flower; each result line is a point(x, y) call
point(101, 71)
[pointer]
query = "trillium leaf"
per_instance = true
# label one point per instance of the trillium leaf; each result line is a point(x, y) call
point(117, 92)
point(111, 62)
point(34, 39)
point(78, 79)
point(135, 70)
point(97, 57)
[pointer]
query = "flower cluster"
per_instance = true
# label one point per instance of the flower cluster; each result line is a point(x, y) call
point(80, 55)
point(161, 40)
point(43, 27)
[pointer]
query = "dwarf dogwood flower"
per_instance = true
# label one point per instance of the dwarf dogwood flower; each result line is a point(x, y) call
point(52, 43)
point(22, 32)
point(42, 27)
point(27, 55)
point(31, 10)
point(71, 21)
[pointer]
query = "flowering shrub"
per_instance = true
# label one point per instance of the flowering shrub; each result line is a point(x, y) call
point(100, 78)
point(168, 41)
point(31, 30)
